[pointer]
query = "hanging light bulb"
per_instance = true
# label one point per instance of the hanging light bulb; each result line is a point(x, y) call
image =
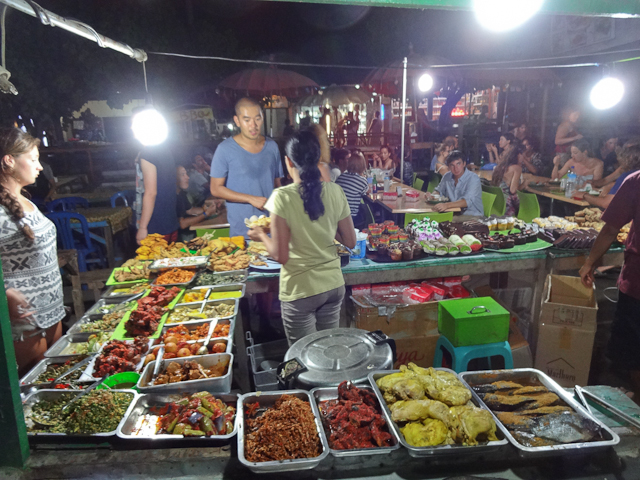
point(503, 15)
point(149, 127)
point(425, 82)
point(607, 93)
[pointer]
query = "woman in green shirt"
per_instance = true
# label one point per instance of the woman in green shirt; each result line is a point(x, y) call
point(306, 216)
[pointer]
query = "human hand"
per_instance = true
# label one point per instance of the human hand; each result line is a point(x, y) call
point(579, 194)
point(19, 306)
point(441, 207)
point(579, 136)
point(256, 234)
point(210, 209)
point(557, 160)
point(586, 275)
point(141, 235)
point(258, 202)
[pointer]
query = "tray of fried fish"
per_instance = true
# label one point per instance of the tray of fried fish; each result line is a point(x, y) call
point(539, 416)
point(433, 413)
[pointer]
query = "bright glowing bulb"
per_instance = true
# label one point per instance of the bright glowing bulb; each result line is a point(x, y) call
point(230, 126)
point(503, 15)
point(149, 127)
point(607, 93)
point(357, 86)
point(425, 82)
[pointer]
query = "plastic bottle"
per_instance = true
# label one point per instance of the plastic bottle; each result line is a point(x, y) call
point(387, 182)
point(370, 182)
point(375, 185)
point(571, 184)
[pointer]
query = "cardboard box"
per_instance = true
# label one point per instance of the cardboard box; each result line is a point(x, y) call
point(418, 350)
point(567, 330)
point(397, 321)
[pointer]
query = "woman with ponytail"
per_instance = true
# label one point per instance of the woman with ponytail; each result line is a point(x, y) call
point(28, 252)
point(306, 216)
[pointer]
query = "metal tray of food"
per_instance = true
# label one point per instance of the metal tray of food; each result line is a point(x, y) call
point(87, 374)
point(136, 427)
point(200, 306)
point(438, 450)
point(191, 327)
point(27, 382)
point(182, 262)
point(110, 293)
point(231, 287)
point(169, 285)
point(215, 385)
point(44, 395)
point(533, 377)
point(230, 301)
point(104, 306)
point(241, 274)
point(204, 290)
point(268, 400)
point(64, 341)
point(76, 327)
point(321, 394)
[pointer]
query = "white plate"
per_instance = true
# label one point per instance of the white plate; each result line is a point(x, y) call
point(270, 265)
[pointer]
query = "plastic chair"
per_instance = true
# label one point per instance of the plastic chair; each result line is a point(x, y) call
point(499, 205)
point(438, 217)
point(488, 199)
point(73, 238)
point(66, 204)
point(434, 181)
point(461, 356)
point(418, 184)
point(413, 180)
point(529, 206)
point(116, 196)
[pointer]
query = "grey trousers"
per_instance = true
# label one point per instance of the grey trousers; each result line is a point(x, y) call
point(308, 315)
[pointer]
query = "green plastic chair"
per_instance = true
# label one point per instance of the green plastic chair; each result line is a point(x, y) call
point(418, 184)
point(438, 217)
point(488, 199)
point(434, 181)
point(500, 205)
point(529, 207)
point(217, 232)
point(415, 175)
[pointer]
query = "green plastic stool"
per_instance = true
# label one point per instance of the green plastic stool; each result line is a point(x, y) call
point(461, 356)
point(500, 205)
point(529, 207)
point(438, 217)
point(488, 199)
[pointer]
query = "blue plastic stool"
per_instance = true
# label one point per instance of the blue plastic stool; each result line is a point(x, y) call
point(461, 356)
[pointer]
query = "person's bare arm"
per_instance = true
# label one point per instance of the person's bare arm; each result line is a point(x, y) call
point(218, 189)
point(515, 178)
point(597, 173)
point(530, 166)
point(561, 135)
point(605, 238)
point(611, 178)
point(346, 233)
point(277, 183)
point(561, 172)
point(441, 207)
point(150, 177)
point(278, 244)
point(599, 201)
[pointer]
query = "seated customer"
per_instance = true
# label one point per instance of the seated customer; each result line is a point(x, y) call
point(585, 167)
point(531, 160)
point(630, 163)
point(199, 179)
point(507, 176)
point(461, 186)
point(189, 215)
point(354, 184)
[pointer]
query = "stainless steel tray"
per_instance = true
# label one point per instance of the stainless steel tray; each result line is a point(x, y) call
point(55, 394)
point(87, 374)
point(95, 309)
point(331, 393)
point(201, 306)
point(169, 285)
point(63, 342)
point(184, 292)
point(244, 273)
point(215, 385)
point(531, 376)
point(268, 400)
point(231, 301)
point(190, 326)
point(197, 261)
point(75, 328)
point(438, 450)
point(108, 294)
point(143, 405)
point(26, 382)
point(231, 287)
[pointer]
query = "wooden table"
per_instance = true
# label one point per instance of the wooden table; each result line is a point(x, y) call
point(554, 194)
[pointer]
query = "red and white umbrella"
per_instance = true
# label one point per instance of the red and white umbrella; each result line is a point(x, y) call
point(269, 81)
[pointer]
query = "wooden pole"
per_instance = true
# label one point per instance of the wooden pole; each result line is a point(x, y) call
point(404, 106)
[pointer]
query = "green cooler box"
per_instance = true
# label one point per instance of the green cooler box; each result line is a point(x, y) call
point(473, 321)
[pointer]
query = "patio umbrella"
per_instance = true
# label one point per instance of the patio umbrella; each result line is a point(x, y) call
point(335, 95)
point(265, 81)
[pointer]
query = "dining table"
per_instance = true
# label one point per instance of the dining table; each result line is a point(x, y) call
point(555, 193)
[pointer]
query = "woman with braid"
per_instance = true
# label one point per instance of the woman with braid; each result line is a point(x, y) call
point(28, 252)
point(306, 216)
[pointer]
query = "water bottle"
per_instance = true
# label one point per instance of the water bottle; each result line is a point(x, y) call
point(572, 182)
point(370, 182)
point(387, 182)
point(375, 185)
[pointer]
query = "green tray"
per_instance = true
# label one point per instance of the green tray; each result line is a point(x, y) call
point(120, 331)
point(112, 281)
point(527, 247)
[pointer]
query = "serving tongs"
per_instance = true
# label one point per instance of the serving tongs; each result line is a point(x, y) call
point(581, 392)
point(55, 381)
point(159, 362)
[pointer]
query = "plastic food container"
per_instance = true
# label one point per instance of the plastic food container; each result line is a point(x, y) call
point(412, 196)
point(268, 400)
point(473, 321)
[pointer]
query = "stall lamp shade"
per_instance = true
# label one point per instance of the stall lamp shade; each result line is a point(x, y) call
point(504, 15)
point(149, 127)
point(607, 93)
point(425, 82)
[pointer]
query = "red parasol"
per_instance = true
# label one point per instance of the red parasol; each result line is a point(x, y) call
point(265, 81)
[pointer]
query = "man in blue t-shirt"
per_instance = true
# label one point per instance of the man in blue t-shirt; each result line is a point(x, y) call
point(246, 167)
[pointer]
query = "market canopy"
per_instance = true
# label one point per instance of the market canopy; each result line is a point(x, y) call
point(267, 81)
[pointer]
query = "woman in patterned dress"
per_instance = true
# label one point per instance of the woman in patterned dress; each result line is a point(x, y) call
point(28, 252)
